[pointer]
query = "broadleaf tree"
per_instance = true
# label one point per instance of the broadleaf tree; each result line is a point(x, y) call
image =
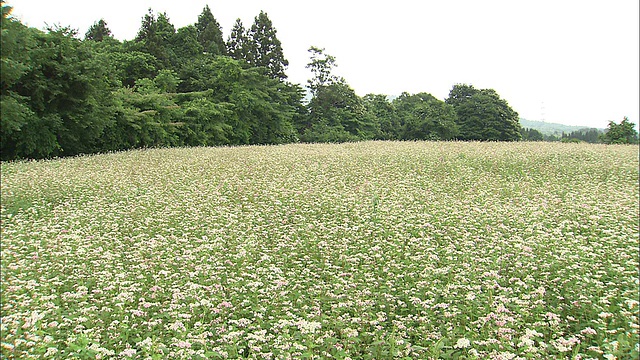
point(623, 133)
point(336, 112)
point(482, 115)
point(423, 117)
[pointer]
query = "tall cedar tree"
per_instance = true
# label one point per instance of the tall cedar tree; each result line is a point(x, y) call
point(148, 37)
point(155, 37)
point(98, 31)
point(239, 44)
point(210, 33)
point(267, 49)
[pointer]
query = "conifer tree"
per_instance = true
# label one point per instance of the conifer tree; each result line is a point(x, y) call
point(165, 28)
point(239, 44)
point(210, 33)
point(155, 36)
point(267, 49)
point(98, 31)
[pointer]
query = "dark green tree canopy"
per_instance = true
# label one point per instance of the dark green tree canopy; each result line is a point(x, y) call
point(423, 117)
point(210, 33)
point(17, 41)
point(239, 45)
point(531, 134)
point(61, 95)
point(384, 112)
point(623, 133)
point(185, 46)
point(483, 115)
point(98, 31)
point(266, 49)
point(155, 37)
point(336, 112)
point(165, 28)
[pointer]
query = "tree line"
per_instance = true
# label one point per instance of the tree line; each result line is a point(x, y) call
point(622, 133)
point(63, 94)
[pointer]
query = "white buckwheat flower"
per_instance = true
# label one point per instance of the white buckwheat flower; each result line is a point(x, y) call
point(462, 343)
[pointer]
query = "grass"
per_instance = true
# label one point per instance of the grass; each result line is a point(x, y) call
point(354, 251)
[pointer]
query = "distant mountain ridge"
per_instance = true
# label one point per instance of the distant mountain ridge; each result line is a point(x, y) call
point(550, 128)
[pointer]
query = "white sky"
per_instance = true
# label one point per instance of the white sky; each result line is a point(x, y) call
point(574, 62)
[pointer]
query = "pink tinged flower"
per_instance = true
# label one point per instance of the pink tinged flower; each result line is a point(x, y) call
point(226, 304)
point(183, 344)
point(128, 352)
point(588, 331)
point(178, 325)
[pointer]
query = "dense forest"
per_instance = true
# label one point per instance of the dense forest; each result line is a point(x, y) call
point(65, 94)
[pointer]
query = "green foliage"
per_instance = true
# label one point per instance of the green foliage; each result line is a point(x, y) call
point(155, 37)
point(123, 62)
point(61, 103)
point(266, 49)
point(423, 117)
point(185, 46)
point(587, 135)
point(98, 31)
point(549, 128)
point(570, 140)
point(531, 134)
point(384, 112)
point(227, 104)
point(16, 43)
point(336, 113)
point(321, 65)
point(623, 133)
point(210, 33)
point(167, 81)
point(204, 123)
point(483, 115)
point(64, 96)
point(239, 45)
point(262, 105)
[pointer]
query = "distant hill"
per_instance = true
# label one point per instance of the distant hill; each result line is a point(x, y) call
point(550, 128)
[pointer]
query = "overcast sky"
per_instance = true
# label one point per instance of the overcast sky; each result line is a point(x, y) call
point(570, 62)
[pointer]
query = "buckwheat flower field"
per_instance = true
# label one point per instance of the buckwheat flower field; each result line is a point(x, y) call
point(373, 250)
